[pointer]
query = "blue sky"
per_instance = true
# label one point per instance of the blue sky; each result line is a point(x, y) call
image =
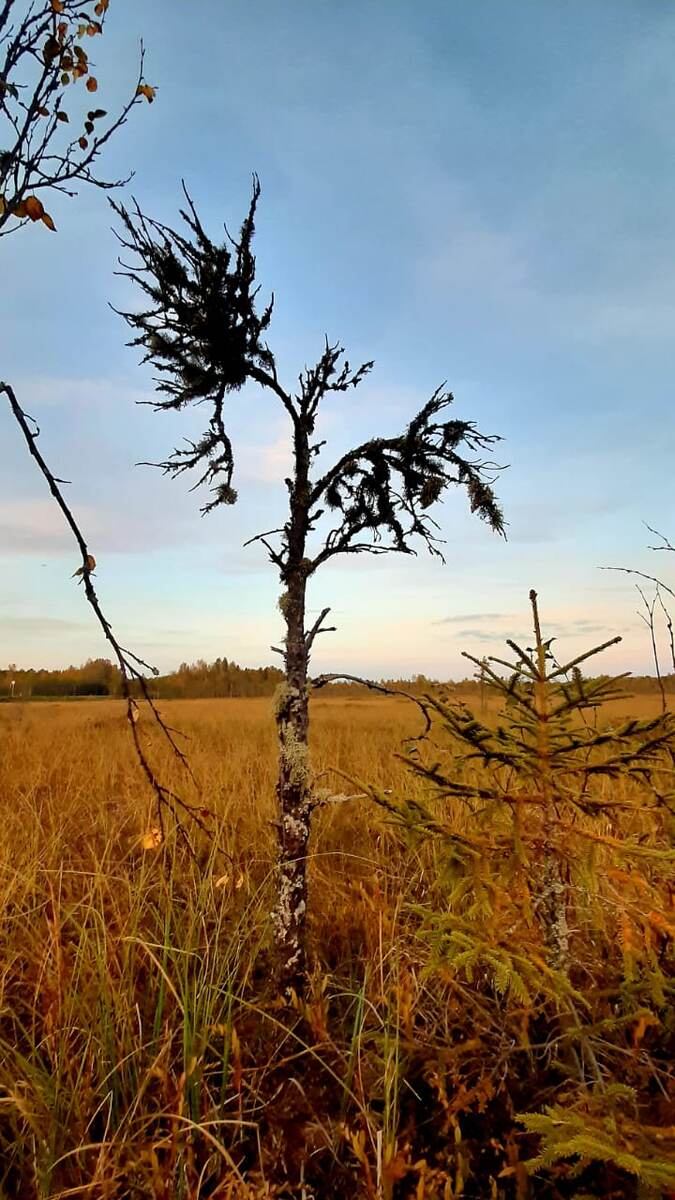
point(482, 193)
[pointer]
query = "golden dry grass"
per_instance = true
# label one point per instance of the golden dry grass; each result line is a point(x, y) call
point(116, 966)
point(142, 1052)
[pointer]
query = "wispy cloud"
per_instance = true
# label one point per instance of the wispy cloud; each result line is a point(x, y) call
point(478, 635)
point(39, 625)
point(464, 617)
point(37, 527)
point(33, 527)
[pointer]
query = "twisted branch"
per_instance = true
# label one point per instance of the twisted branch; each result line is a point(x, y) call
point(131, 667)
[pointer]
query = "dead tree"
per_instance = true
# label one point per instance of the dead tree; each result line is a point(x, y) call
point(203, 330)
point(654, 607)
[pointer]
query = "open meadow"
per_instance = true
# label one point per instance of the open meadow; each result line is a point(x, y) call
point(144, 1051)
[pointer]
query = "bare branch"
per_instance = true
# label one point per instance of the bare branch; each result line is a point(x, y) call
point(423, 703)
point(317, 628)
point(641, 575)
point(43, 152)
point(667, 545)
point(127, 662)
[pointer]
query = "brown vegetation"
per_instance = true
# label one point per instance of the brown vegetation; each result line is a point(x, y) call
point(143, 1051)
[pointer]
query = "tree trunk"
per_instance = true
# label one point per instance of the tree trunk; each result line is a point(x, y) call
point(293, 797)
point(552, 889)
point(292, 717)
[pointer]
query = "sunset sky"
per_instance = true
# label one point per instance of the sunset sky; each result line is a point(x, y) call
point(482, 193)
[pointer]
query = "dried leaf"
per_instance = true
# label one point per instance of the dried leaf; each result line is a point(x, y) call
point(144, 89)
point(92, 84)
point(50, 50)
point(47, 220)
point(34, 208)
point(90, 566)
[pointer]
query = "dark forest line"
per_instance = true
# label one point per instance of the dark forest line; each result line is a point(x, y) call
point(217, 680)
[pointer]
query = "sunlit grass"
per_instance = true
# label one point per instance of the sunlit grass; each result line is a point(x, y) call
point(143, 1051)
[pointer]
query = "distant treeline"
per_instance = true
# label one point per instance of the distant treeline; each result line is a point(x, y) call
point(222, 678)
point(99, 677)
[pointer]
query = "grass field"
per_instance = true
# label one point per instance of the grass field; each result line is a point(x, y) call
point(143, 1051)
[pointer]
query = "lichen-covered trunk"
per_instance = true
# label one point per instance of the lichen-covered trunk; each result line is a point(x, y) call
point(293, 796)
point(292, 717)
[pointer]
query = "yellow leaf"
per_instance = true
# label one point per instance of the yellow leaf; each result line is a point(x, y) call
point(152, 839)
point(58, 6)
point(3, 206)
point(92, 84)
point(46, 220)
point(34, 208)
point(144, 89)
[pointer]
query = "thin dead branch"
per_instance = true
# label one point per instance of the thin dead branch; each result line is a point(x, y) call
point(131, 666)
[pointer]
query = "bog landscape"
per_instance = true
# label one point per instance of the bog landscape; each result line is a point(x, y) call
point(307, 928)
